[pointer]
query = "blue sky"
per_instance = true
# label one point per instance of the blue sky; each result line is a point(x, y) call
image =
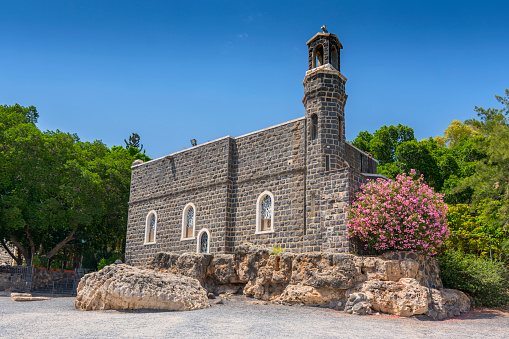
point(173, 71)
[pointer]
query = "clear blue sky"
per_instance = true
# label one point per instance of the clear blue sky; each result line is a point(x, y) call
point(173, 71)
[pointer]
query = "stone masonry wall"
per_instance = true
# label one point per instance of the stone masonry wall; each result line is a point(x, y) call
point(360, 161)
point(199, 175)
point(271, 160)
point(223, 179)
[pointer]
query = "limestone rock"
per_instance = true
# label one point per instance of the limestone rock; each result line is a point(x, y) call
point(193, 265)
point(427, 271)
point(404, 298)
point(359, 304)
point(124, 287)
point(324, 270)
point(248, 259)
point(222, 269)
point(307, 295)
point(29, 298)
point(270, 276)
point(447, 303)
point(15, 294)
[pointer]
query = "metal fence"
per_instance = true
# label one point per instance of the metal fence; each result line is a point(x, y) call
point(30, 279)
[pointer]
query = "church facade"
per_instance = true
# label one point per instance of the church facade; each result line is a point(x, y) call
point(287, 185)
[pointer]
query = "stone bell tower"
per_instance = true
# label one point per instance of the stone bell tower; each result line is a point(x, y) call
point(324, 100)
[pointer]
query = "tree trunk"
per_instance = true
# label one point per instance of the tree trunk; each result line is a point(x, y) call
point(61, 244)
point(22, 250)
point(18, 261)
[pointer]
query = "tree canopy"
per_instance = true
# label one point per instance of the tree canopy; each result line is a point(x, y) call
point(56, 189)
point(469, 164)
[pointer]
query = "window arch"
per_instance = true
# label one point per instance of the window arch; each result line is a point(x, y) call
point(188, 222)
point(265, 213)
point(318, 56)
point(203, 242)
point(150, 228)
point(314, 126)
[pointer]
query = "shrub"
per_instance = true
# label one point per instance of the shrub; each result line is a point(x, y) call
point(400, 214)
point(276, 250)
point(478, 231)
point(486, 281)
point(108, 261)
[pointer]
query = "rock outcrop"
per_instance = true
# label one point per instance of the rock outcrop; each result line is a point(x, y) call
point(405, 297)
point(124, 287)
point(400, 283)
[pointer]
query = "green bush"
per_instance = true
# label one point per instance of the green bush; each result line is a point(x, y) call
point(487, 282)
point(108, 261)
point(276, 250)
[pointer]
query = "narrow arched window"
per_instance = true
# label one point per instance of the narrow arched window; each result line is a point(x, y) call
point(265, 213)
point(203, 243)
point(335, 58)
point(314, 126)
point(188, 222)
point(317, 56)
point(150, 228)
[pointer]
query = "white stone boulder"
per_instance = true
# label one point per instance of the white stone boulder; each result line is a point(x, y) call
point(405, 297)
point(124, 287)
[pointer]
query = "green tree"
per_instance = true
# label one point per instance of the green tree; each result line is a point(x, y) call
point(363, 141)
point(134, 141)
point(56, 190)
point(386, 140)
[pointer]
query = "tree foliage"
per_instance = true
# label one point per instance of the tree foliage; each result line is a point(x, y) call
point(56, 190)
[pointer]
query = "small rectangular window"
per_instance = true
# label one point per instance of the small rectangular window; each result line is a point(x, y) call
point(312, 205)
point(327, 163)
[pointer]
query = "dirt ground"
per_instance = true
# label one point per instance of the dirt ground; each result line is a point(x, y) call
point(238, 317)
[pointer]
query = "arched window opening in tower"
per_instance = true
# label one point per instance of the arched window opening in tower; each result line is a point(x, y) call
point(335, 58)
point(318, 56)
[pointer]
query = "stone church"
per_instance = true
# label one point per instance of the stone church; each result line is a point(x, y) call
point(287, 185)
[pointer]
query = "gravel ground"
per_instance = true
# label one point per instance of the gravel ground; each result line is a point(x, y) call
point(237, 318)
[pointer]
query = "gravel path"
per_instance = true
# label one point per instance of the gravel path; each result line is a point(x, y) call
point(237, 318)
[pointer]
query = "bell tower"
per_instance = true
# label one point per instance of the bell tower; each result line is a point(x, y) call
point(324, 100)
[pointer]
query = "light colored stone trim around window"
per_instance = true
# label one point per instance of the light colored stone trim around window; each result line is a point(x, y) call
point(198, 240)
point(184, 222)
point(258, 213)
point(147, 228)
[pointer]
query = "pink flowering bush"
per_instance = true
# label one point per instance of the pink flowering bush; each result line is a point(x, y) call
point(400, 214)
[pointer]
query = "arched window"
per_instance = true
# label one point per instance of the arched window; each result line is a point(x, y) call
point(188, 222)
point(335, 58)
point(203, 243)
point(265, 213)
point(150, 228)
point(314, 126)
point(318, 56)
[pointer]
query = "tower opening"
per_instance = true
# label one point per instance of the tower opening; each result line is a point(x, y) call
point(318, 56)
point(335, 58)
